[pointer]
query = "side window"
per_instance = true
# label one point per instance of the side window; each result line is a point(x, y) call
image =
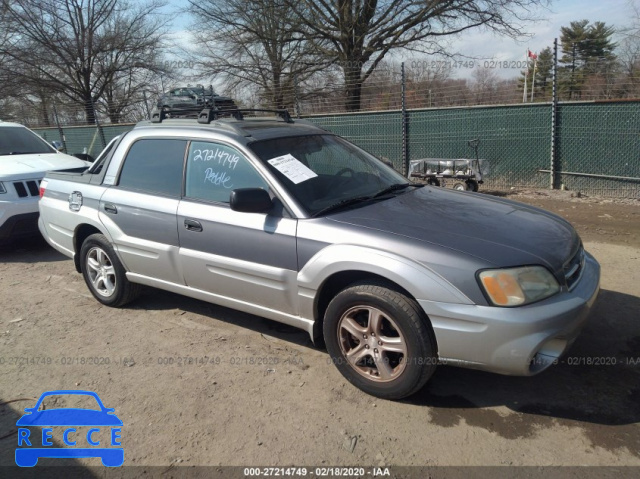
point(213, 170)
point(155, 166)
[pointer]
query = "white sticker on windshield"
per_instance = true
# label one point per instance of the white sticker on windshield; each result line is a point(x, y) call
point(292, 168)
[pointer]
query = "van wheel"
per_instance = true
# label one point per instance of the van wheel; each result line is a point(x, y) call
point(380, 340)
point(104, 274)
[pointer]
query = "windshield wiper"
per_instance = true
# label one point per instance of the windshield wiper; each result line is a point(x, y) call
point(342, 204)
point(396, 187)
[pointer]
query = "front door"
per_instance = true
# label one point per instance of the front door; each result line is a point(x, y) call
point(250, 257)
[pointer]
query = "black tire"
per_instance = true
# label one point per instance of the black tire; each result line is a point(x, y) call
point(460, 186)
point(401, 325)
point(104, 274)
point(472, 185)
point(433, 181)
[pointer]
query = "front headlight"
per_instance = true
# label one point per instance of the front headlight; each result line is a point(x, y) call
point(518, 286)
point(2, 188)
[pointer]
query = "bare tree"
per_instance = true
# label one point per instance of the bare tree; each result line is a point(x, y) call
point(485, 86)
point(253, 42)
point(81, 48)
point(629, 54)
point(6, 83)
point(358, 34)
point(429, 79)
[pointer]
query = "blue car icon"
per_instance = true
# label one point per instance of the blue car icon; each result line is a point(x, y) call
point(70, 418)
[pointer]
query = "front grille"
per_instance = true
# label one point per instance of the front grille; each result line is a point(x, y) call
point(573, 269)
point(27, 188)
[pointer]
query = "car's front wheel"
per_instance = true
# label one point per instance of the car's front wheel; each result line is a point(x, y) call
point(104, 274)
point(380, 340)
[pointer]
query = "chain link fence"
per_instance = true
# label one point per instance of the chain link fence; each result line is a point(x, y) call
point(598, 143)
point(515, 140)
point(603, 140)
point(83, 139)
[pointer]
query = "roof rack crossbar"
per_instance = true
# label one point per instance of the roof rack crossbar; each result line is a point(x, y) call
point(210, 114)
point(207, 115)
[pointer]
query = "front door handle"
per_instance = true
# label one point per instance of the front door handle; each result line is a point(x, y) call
point(193, 225)
point(110, 208)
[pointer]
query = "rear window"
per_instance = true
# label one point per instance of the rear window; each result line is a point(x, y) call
point(155, 166)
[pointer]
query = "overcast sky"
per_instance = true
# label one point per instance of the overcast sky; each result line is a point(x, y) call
point(483, 44)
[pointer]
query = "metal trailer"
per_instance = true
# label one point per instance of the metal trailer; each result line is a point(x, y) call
point(467, 174)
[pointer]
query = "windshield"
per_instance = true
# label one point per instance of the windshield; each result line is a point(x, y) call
point(323, 170)
point(20, 141)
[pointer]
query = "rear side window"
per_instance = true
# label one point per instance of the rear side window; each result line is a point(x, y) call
point(154, 166)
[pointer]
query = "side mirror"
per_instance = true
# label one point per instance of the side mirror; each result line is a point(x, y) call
point(58, 145)
point(250, 200)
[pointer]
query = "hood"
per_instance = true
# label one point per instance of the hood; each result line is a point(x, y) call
point(20, 167)
point(501, 232)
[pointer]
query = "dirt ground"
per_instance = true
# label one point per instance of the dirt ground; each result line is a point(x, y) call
point(198, 384)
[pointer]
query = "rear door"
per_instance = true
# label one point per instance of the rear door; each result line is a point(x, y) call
point(139, 211)
point(250, 257)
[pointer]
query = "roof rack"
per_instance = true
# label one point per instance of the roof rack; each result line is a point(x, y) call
point(207, 115)
point(158, 115)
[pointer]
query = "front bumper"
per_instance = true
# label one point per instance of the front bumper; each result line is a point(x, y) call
point(518, 341)
point(18, 225)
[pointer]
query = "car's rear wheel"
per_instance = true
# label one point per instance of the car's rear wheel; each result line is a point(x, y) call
point(104, 274)
point(380, 340)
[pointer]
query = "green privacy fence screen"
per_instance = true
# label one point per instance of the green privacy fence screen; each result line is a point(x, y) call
point(83, 139)
point(601, 139)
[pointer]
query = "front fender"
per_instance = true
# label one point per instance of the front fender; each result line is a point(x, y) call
point(421, 282)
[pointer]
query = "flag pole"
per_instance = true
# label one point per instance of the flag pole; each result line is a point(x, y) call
point(533, 82)
point(526, 74)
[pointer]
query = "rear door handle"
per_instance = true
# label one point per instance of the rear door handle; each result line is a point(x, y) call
point(193, 225)
point(110, 208)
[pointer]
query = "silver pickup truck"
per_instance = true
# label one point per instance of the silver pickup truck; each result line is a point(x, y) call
point(290, 222)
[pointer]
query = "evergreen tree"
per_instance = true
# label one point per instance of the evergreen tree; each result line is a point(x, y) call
point(587, 50)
